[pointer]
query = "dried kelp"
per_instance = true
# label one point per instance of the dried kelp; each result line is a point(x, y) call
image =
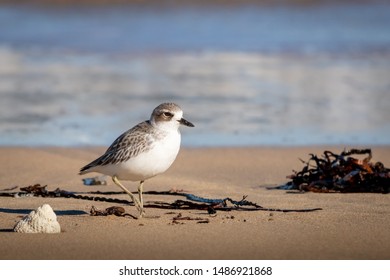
point(192, 203)
point(341, 173)
point(113, 210)
point(179, 218)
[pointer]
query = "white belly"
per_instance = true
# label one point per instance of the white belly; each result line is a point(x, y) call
point(147, 164)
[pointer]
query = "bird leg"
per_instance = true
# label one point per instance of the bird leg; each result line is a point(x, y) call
point(133, 198)
point(140, 189)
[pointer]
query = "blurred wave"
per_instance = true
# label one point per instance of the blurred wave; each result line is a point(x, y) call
point(113, 29)
point(245, 75)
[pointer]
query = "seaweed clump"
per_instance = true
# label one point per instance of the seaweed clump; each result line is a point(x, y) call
point(341, 173)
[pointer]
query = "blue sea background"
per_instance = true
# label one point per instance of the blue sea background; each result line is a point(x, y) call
point(248, 74)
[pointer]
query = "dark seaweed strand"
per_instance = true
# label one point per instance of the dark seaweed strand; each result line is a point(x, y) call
point(205, 203)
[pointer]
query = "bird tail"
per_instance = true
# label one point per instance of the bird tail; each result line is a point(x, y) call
point(84, 170)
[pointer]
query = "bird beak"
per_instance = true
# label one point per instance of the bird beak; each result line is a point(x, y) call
point(185, 122)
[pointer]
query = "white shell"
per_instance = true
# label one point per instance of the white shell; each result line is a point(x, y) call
point(42, 220)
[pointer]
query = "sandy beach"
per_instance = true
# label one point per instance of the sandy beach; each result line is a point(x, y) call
point(350, 226)
point(264, 84)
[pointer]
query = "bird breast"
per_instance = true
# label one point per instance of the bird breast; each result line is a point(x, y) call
point(151, 162)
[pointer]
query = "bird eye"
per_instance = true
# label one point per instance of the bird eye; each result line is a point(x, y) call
point(168, 114)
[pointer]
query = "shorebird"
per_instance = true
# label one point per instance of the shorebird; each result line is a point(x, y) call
point(144, 151)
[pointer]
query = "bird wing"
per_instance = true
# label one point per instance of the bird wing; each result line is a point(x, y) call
point(128, 145)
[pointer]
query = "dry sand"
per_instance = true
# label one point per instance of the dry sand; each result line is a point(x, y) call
point(350, 226)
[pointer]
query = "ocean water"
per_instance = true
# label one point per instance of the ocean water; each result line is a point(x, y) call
point(244, 75)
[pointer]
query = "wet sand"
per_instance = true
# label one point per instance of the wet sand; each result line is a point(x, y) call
point(350, 226)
